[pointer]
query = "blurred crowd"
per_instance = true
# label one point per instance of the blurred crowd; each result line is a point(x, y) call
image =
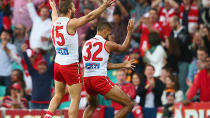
point(171, 45)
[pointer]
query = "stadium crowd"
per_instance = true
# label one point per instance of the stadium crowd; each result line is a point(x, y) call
point(170, 42)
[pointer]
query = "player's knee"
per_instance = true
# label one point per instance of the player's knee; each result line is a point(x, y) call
point(58, 96)
point(130, 104)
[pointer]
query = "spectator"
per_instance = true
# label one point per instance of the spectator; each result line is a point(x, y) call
point(168, 108)
point(172, 83)
point(140, 8)
point(20, 13)
point(19, 38)
point(202, 54)
point(15, 100)
point(198, 42)
point(156, 55)
point(128, 88)
point(91, 32)
point(205, 32)
point(166, 72)
point(5, 60)
point(134, 54)
point(119, 30)
point(204, 12)
point(137, 78)
point(151, 89)
point(40, 32)
point(180, 34)
point(173, 54)
point(165, 13)
point(201, 82)
point(41, 82)
point(147, 24)
point(189, 14)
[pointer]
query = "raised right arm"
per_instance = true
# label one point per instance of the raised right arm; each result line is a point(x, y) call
point(54, 11)
point(112, 46)
point(78, 22)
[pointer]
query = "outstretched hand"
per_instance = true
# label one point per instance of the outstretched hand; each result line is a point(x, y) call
point(130, 25)
point(52, 3)
point(129, 63)
point(108, 2)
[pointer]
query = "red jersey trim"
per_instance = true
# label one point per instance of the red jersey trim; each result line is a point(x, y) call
point(105, 47)
point(68, 30)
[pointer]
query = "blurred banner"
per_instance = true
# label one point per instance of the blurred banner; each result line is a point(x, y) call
point(193, 110)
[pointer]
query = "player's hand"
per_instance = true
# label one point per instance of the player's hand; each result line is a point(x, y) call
point(52, 3)
point(24, 47)
point(130, 25)
point(129, 63)
point(108, 3)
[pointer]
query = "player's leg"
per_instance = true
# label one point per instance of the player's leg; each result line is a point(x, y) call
point(75, 94)
point(56, 100)
point(92, 105)
point(117, 95)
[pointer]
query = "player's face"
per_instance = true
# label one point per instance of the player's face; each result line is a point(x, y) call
point(44, 13)
point(121, 77)
point(73, 10)
point(149, 72)
point(201, 55)
point(42, 68)
point(107, 32)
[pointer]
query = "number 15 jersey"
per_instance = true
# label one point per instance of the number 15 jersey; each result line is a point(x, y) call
point(95, 57)
point(66, 45)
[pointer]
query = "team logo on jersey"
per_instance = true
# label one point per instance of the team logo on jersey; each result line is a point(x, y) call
point(92, 65)
point(62, 51)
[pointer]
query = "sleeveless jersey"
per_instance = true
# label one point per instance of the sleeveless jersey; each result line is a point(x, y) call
point(95, 57)
point(66, 45)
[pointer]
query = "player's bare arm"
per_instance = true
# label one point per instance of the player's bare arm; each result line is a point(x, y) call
point(114, 47)
point(54, 11)
point(78, 22)
point(126, 64)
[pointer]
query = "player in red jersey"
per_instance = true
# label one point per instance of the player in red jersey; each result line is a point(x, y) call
point(95, 57)
point(65, 40)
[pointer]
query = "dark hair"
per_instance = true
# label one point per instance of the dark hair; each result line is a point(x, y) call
point(176, 82)
point(104, 25)
point(174, 48)
point(117, 11)
point(140, 76)
point(168, 69)
point(6, 31)
point(20, 77)
point(149, 65)
point(154, 38)
point(64, 6)
point(203, 49)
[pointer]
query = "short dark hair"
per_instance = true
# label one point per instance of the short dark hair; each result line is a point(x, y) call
point(149, 65)
point(168, 69)
point(154, 38)
point(64, 6)
point(6, 31)
point(117, 11)
point(203, 49)
point(103, 25)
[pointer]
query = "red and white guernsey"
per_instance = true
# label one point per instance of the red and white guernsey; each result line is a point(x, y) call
point(95, 57)
point(66, 45)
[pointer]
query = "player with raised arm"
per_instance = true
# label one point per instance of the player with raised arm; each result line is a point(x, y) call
point(65, 40)
point(95, 57)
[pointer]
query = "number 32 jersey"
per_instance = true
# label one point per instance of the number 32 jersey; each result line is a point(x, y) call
point(95, 57)
point(66, 45)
